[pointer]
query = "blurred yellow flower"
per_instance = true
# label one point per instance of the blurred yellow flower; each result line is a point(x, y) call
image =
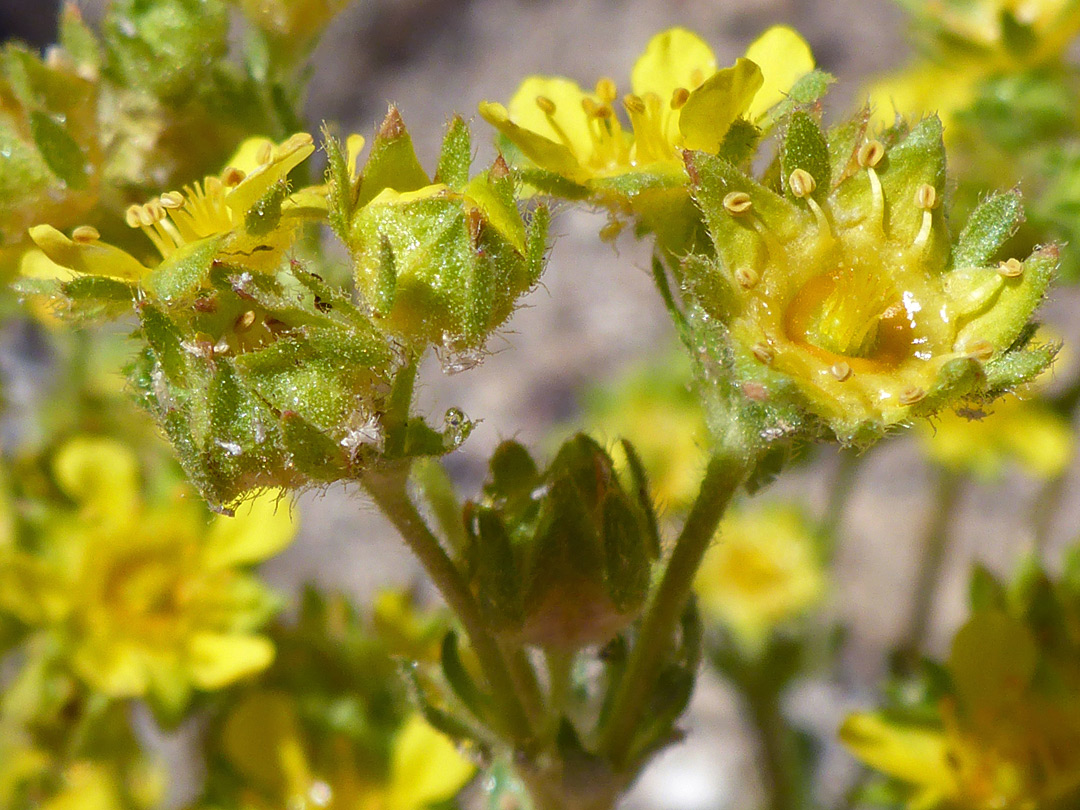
point(231, 218)
point(1025, 432)
point(678, 99)
point(264, 740)
point(763, 570)
point(148, 599)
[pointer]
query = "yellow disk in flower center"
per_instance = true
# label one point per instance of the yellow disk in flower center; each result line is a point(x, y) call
point(851, 313)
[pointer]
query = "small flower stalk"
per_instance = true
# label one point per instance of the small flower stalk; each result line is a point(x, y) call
point(836, 294)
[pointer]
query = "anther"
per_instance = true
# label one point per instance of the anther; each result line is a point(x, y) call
point(265, 153)
point(634, 104)
point(146, 218)
point(909, 396)
point(156, 210)
point(297, 141)
point(546, 105)
point(747, 277)
point(802, 183)
point(85, 234)
point(679, 97)
point(737, 202)
point(212, 186)
point(131, 216)
point(244, 321)
point(606, 90)
point(871, 153)
point(841, 370)
point(981, 350)
point(172, 199)
point(755, 391)
point(232, 176)
point(926, 196)
point(763, 353)
point(1013, 268)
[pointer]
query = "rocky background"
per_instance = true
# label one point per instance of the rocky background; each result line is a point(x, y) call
point(597, 314)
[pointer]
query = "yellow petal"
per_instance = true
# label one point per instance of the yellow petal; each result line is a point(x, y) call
point(35, 264)
point(783, 57)
point(425, 767)
point(284, 158)
point(544, 152)
point(261, 528)
point(218, 659)
point(354, 145)
point(114, 668)
point(909, 753)
point(102, 475)
point(93, 258)
point(258, 733)
point(712, 108)
point(674, 58)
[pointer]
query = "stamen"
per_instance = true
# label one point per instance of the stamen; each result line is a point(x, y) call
point(981, 350)
point(172, 200)
point(633, 104)
point(871, 153)
point(737, 202)
point(131, 216)
point(1013, 268)
point(265, 153)
point(926, 199)
point(85, 235)
point(911, 395)
point(841, 370)
point(232, 177)
point(244, 321)
point(546, 105)
point(802, 185)
point(679, 97)
point(763, 353)
point(606, 90)
point(747, 277)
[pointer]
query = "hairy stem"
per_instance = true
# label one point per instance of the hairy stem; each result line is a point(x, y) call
point(388, 490)
point(723, 477)
point(779, 757)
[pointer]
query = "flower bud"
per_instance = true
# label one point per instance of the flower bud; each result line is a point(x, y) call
point(561, 558)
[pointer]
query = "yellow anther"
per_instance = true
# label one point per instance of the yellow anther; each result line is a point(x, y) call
point(981, 350)
point(634, 104)
point(244, 321)
point(232, 176)
point(747, 277)
point(172, 199)
point(131, 216)
point(85, 234)
point(156, 210)
point(841, 370)
point(297, 141)
point(871, 153)
point(594, 110)
point(146, 217)
point(606, 90)
point(546, 105)
point(737, 202)
point(926, 196)
point(679, 97)
point(212, 186)
point(1013, 268)
point(911, 395)
point(763, 353)
point(265, 153)
point(802, 183)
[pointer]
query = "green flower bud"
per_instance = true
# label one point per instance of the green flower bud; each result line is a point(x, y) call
point(836, 292)
point(561, 558)
point(437, 263)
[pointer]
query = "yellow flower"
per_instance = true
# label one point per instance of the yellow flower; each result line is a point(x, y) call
point(678, 100)
point(762, 571)
point(264, 741)
point(1052, 22)
point(149, 599)
point(242, 217)
point(844, 297)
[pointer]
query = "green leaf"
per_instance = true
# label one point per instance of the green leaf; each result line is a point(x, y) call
point(988, 228)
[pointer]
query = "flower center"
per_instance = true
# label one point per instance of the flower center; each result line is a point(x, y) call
point(854, 313)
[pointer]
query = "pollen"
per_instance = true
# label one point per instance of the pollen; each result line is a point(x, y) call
point(841, 370)
point(802, 183)
point(85, 234)
point(763, 353)
point(871, 153)
point(232, 177)
point(679, 98)
point(926, 197)
point(747, 277)
point(738, 202)
point(1013, 268)
point(606, 90)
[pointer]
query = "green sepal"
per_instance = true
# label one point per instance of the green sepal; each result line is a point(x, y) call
point(1016, 367)
point(551, 184)
point(440, 495)
point(341, 197)
point(175, 281)
point(808, 90)
point(78, 39)
point(455, 156)
point(60, 150)
point(917, 159)
point(536, 243)
point(644, 497)
point(627, 555)
point(804, 147)
point(264, 216)
point(985, 591)
point(987, 230)
point(844, 140)
point(439, 716)
point(392, 162)
point(740, 142)
point(956, 378)
point(457, 675)
point(494, 569)
point(82, 299)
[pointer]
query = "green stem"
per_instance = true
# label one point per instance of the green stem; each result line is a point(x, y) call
point(935, 544)
point(527, 685)
point(723, 477)
point(779, 757)
point(388, 490)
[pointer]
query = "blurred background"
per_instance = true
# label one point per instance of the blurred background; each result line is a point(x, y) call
point(596, 316)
